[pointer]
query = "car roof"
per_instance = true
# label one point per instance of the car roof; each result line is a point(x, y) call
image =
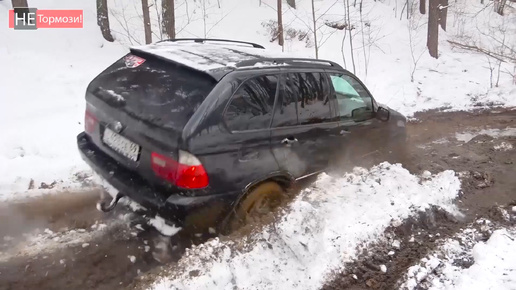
point(218, 57)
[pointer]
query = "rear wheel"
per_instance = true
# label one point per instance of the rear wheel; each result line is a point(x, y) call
point(258, 202)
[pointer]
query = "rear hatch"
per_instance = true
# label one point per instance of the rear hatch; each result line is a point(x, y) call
point(140, 105)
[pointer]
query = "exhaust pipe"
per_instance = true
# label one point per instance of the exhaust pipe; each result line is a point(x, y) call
point(105, 206)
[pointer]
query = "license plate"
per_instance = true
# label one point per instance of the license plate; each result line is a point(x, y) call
point(121, 144)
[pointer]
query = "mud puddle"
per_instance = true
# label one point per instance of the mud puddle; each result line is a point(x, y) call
point(61, 241)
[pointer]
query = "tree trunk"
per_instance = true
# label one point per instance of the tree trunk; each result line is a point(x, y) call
point(20, 3)
point(280, 24)
point(433, 28)
point(315, 31)
point(168, 18)
point(103, 20)
point(408, 8)
point(292, 3)
point(443, 14)
point(499, 5)
point(146, 21)
point(422, 6)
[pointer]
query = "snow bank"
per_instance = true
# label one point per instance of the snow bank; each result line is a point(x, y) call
point(493, 263)
point(322, 228)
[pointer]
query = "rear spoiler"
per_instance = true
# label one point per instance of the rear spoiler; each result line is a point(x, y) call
point(217, 73)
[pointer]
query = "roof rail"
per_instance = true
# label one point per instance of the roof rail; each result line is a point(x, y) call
point(203, 40)
point(290, 61)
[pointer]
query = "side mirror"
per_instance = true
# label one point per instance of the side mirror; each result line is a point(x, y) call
point(383, 114)
point(361, 114)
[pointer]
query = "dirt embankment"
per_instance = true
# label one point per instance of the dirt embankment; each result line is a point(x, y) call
point(74, 253)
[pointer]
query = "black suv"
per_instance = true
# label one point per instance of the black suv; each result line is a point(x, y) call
point(202, 131)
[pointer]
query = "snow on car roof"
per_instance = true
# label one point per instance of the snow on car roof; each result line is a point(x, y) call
point(206, 56)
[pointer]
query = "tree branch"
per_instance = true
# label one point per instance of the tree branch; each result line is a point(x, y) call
point(498, 56)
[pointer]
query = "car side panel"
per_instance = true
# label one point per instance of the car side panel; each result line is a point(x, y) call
point(310, 153)
point(232, 160)
point(313, 146)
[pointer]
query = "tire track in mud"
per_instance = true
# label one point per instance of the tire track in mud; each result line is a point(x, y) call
point(105, 263)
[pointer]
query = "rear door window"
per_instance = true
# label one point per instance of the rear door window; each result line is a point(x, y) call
point(152, 90)
point(251, 106)
point(313, 100)
point(286, 106)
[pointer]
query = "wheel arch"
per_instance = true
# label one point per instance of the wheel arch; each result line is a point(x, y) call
point(284, 179)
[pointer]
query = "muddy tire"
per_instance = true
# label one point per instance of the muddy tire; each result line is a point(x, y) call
point(257, 203)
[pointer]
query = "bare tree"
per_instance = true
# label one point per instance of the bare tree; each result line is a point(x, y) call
point(366, 61)
point(433, 28)
point(443, 14)
point(159, 18)
point(422, 6)
point(119, 15)
point(146, 21)
point(280, 24)
point(103, 20)
point(350, 35)
point(204, 16)
point(415, 24)
point(499, 5)
point(491, 70)
point(315, 30)
point(315, 26)
point(20, 3)
point(168, 18)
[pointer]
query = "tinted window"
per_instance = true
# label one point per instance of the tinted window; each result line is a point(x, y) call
point(251, 105)
point(286, 107)
point(313, 102)
point(350, 95)
point(154, 91)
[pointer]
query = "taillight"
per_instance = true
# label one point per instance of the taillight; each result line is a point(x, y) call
point(188, 172)
point(89, 122)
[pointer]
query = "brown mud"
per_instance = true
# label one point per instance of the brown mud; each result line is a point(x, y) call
point(488, 182)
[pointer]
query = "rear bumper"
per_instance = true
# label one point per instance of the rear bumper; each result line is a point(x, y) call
point(185, 211)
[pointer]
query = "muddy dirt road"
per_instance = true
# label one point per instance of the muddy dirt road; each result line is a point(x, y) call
point(481, 147)
point(62, 242)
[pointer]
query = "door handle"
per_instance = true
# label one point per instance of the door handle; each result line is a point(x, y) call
point(344, 132)
point(289, 141)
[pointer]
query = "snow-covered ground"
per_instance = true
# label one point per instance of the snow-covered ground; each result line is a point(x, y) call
point(45, 72)
point(323, 227)
point(464, 262)
point(43, 78)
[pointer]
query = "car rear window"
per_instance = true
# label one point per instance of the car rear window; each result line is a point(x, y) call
point(251, 105)
point(152, 90)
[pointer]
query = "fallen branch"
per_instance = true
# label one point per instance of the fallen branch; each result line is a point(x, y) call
point(498, 56)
